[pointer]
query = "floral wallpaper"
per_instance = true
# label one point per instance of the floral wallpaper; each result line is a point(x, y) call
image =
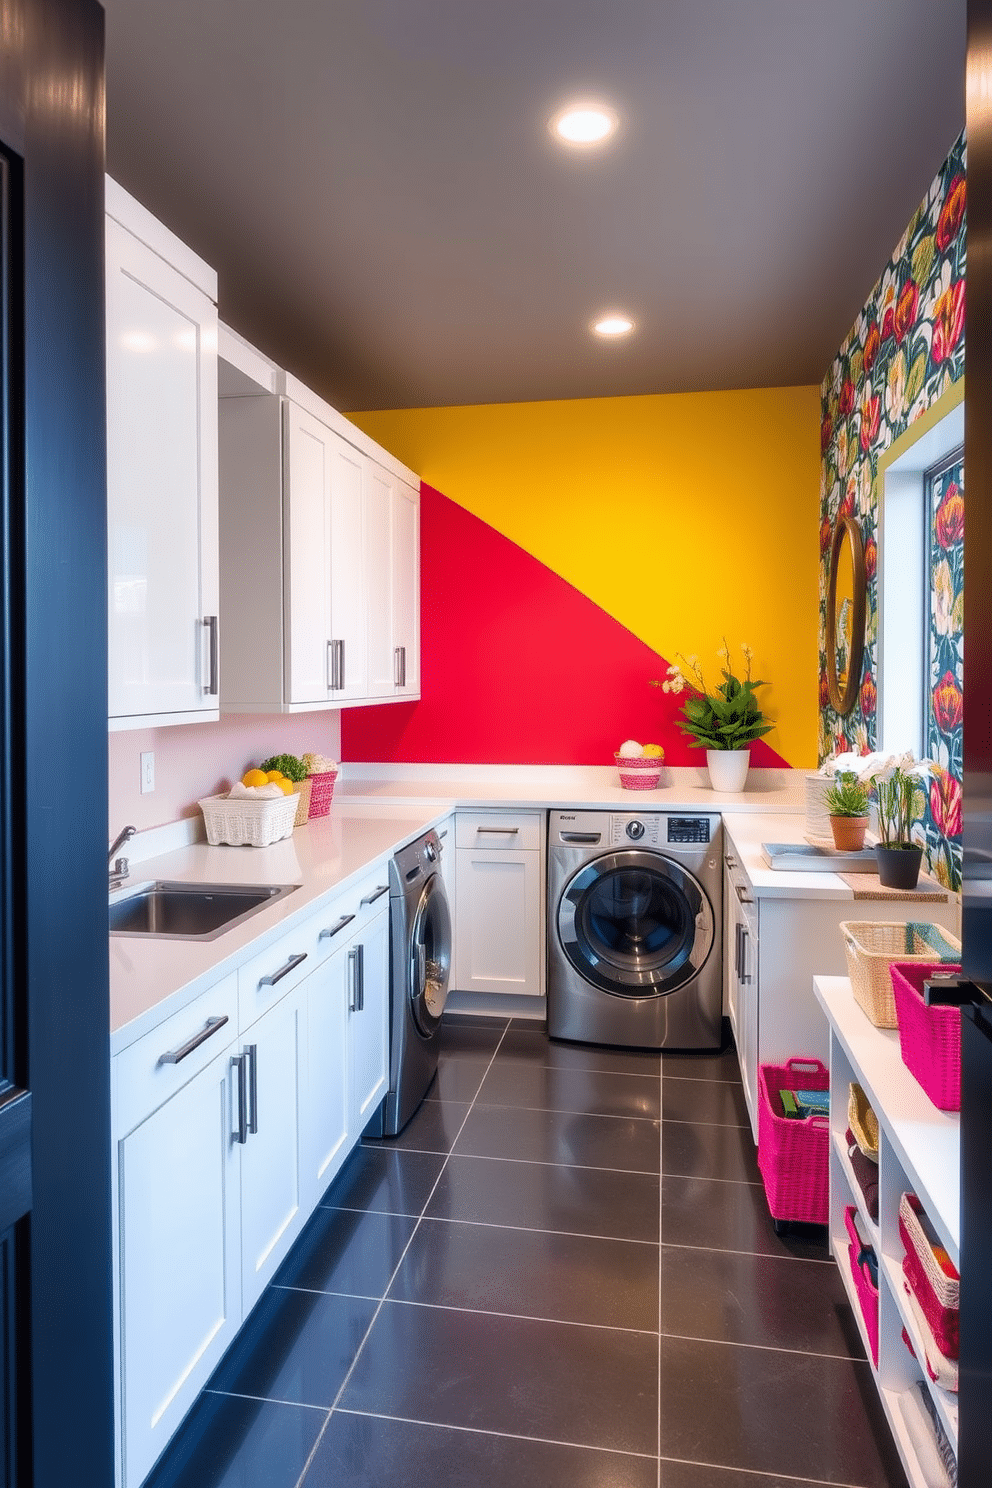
point(903, 352)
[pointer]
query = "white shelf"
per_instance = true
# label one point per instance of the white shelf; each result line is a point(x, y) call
point(857, 1196)
point(925, 1140)
point(890, 1404)
point(945, 1401)
point(839, 1241)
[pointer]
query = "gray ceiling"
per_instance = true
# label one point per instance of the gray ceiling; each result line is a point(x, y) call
point(390, 219)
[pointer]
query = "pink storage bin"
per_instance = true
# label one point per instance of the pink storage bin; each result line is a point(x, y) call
point(863, 1285)
point(793, 1154)
point(929, 1037)
point(637, 773)
point(932, 1276)
point(321, 792)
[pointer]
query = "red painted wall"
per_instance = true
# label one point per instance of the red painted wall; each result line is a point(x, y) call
point(517, 667)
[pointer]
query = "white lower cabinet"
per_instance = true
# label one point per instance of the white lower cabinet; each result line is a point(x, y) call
point(179, 1199)
point(272, 1083)
point(499, 903)
point(230, 1120)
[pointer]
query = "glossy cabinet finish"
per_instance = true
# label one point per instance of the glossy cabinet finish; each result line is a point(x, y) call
point(320, 558)
point(499, 903)
point(741, 971)
point(163, 599)
point(231, 1118)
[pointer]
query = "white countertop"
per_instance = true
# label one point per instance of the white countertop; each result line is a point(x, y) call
point(152, 978)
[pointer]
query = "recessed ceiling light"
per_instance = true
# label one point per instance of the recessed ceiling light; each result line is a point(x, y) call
point(613, 325)
point(584, 123)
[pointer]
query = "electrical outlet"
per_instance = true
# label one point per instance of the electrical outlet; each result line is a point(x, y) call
point(147, 772)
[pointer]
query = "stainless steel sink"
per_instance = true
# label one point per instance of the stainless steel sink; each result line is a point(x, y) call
point(183, 911)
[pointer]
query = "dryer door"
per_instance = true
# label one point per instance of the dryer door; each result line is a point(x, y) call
point(635, 924)
point(430, 956)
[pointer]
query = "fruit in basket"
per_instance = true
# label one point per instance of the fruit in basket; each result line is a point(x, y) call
point(286, 786)
point(274, 775)
point(254, 778)
point(653, 751)
point(287, 764)
point(630, 749)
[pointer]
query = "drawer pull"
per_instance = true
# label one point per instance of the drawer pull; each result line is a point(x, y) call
point(291, 964)
point(252, 1053)
point(376, 894)
point(356, 968)
point(742, 895)
point(501, 831)
point(238, 1063)
point(333, 929)
point(176, 1056)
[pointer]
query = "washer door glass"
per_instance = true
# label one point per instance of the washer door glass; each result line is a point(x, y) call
point(430, 956)
point(635, 924)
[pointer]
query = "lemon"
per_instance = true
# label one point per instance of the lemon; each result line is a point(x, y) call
point(286, 786)
point(254, 777)
point(275, 775)
point(653, 751)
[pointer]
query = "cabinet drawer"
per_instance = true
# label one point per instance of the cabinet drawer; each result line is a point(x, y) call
point(162, 1062)
point(276, 971)
point(500, 830)
point(349, 912)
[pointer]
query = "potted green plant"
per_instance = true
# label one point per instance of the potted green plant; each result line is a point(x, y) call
point(847, 804)
point(725, 720)
point(899, 801)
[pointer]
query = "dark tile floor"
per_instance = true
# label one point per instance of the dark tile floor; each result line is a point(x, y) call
point(562, 1273)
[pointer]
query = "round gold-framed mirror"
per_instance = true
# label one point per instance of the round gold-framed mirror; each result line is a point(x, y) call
point(846, 594)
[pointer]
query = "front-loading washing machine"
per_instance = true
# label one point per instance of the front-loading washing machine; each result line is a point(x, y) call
point(635, 936)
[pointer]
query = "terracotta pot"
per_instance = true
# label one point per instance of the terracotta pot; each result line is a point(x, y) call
point(898, 864)
point(849, 832)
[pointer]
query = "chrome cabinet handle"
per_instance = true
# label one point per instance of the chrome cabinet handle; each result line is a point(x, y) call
point(356, 972)
point(399, 666)
point(512, 832)
point(291, 964)
point(176, 1056)
point(745, 974)
point(335, 666)
point(252, 1052)
point(376, 894)
point(334, 929)
point(238, 1063)
point(210, 624)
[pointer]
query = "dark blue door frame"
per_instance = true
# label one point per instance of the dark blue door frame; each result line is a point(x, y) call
point(52, 118)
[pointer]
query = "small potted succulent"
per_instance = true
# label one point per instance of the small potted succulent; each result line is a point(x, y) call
point(847, 803)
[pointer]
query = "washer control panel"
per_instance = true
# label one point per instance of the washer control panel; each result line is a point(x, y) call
point(624, 829)
point(688, 829)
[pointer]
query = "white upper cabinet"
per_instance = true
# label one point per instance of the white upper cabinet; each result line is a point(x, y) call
point(320, 551)
point(161, 473)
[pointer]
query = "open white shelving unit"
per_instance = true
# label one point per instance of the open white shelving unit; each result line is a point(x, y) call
point(919, 1152)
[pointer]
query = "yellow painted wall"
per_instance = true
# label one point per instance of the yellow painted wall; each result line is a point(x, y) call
point(685, 516)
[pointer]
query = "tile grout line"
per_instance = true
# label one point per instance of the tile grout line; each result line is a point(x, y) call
point(358, 1352)
point(533, 1162)
point(519, 1317)
point(549, 1441)
point(491, 1224)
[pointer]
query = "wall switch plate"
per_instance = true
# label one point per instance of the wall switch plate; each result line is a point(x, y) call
point(147, 772)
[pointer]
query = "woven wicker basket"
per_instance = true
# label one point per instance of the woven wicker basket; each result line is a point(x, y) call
point(246, 823)
point(302, 791)
point(321, 792)
point(862, 1121)
point(872, 946)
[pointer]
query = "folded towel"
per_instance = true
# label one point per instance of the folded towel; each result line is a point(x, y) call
point(813, 1102)
point(789, 1103)
point(866, 1173)
point(923, 1438)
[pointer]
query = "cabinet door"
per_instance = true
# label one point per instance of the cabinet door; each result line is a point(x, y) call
point(272, 1200)
point(327, 1072)
point(349, 642)
point(180, 1258)
point(498, 899)
point(161, 489)
point(406, 588)
point(367, 965)
point(308, 451)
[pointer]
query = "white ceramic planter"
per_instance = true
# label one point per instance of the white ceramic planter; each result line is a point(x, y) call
point(728, 768)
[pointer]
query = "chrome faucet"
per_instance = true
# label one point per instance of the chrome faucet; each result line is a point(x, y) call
point(119, 869)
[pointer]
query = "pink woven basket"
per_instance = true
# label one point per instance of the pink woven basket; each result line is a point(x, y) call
point(793, 1154)
point(929, 1037)
point(637, 773)
point(932, 1276)
point(867, 1292)
point(321, 791)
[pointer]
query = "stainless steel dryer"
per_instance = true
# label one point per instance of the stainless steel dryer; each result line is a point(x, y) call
point(635, 942)
point(419, 966)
